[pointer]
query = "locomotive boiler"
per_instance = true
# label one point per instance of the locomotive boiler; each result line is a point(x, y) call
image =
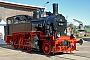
point(48, 34)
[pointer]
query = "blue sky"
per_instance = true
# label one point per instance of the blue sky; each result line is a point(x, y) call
point(78, 9)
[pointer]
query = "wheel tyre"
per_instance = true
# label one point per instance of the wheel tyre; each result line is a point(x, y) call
point(29, 49)
point(15, 47)
point(21, 47)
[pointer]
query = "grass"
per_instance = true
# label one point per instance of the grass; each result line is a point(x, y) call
point(87, 29)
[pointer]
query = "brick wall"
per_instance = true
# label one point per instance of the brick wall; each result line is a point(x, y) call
point(7, 11)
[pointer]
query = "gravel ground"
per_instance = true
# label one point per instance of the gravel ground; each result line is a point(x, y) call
point(8, 53)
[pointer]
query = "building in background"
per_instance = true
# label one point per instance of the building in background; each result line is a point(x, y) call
point(8, 9)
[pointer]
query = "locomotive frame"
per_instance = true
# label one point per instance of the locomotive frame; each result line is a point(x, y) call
point(53, 41)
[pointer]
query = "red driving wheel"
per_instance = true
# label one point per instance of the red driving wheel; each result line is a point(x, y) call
point(46, 48)
point(14, 44)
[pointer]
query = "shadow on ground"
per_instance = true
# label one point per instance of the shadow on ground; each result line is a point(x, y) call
point(32, 52)
point(86, 39)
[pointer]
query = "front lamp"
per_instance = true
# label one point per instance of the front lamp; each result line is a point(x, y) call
point(58, 35)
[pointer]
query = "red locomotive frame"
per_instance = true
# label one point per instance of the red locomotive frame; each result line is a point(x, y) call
point(54, 45)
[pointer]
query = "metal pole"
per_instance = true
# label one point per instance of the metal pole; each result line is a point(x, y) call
point(46, 3)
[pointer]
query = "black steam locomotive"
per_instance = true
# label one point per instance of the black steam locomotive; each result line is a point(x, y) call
point(41, 33)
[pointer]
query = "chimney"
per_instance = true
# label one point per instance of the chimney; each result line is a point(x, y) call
point(55, 8)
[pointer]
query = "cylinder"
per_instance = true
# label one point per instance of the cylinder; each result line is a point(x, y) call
point(55, 8)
